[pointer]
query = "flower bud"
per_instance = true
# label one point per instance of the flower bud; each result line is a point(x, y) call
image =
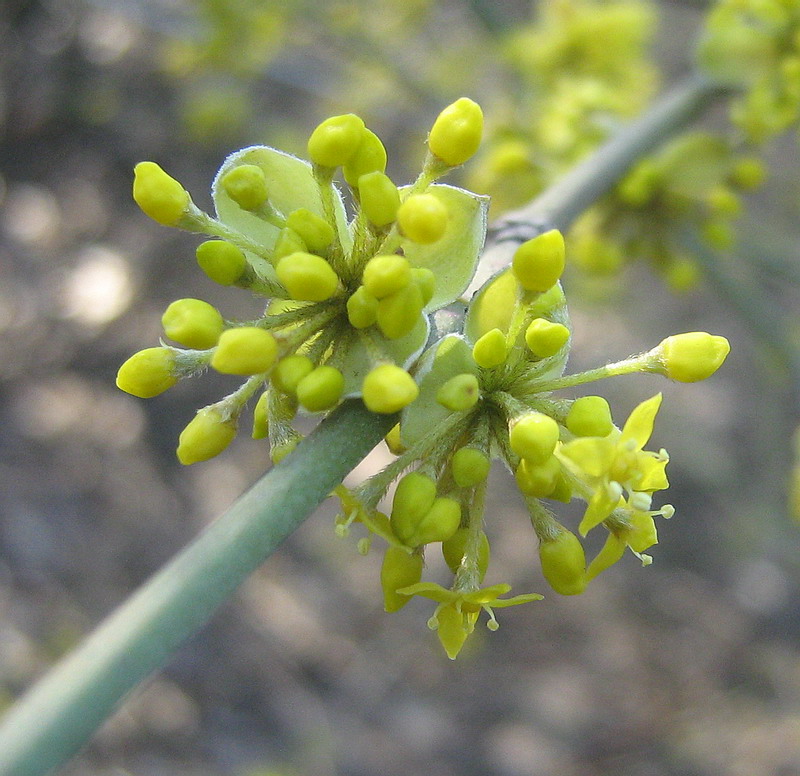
point(456, 133)
point(538, 263)
point(422, 218)
point(313, 230)
point(362, 308)
point(490, 350)
point(399, 312)
point(193, 323)
point(534, 437)
point(470, 466)
point(246, 185)
point(370, 156)
point(564, 563)
point(388, 388)
point(148, 373)
point(158, 195)
point(413, 497)
point(438, 524)
point(394, 441)
point(321, 389)
point(590, 416)
point(459, 393)
point(260, 417)
point(288, 242)
point(538, 479)
point(454, 548)
point(545, 338)
point(246, 350)
point(222, 261)
point(748, 173)
point(335, 141)
point(691, 357)
point(206, 435)
point(379, 198)
point(289, 371)
point(307, 278)
point(399, 569)
point(383, 275)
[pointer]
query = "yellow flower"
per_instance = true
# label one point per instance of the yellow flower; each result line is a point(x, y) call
point(617, 463)
point(458, 610)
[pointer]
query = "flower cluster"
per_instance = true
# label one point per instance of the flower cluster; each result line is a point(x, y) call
point(755, 45)
point(487, 393)
point(346, 302)
point(693, 185)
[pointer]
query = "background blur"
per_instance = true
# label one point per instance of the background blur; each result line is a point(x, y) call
point(689, 667)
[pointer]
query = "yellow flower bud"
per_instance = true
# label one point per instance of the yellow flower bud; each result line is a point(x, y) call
point(383, 275)
point(438, 524)
point(193, 323)
point(148, 373)
point(422, 218)
point(362, 308)
point(260, 417)
point(207, 435)
point(691, 357)
point(538, 263)
point(413, 497)
point(388, 388)
point(545, 338)
point(246, 185)
point(399, 312)
point(534, 437)
point(279, 451)
point(454, 548)
point(379, 198)
point(313, 230)
point(490, 349)
point(158, 195)
point(459, 393)
point(289, 371)
point(370, 156)
point(307, 278)
point(335, 141)
point(321, 389)
point(538, 479)
point(457, 131)
point(748, 173)
point(222, 261)
point(394, 442)
point(426, 281)
point(564, 563)
point(399, 569)
point(470, 466)
point(247, 350)
point(288, 242)
point(590, 416)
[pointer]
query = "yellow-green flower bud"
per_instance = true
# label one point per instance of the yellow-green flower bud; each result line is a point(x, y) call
point(335, 141)
point(422, 218)
point(459, 393)
point(454, 549)
point(691, 357)
point(413, 497)
point(362, 308)
point(206, 435)
point(321, 389)
point(289, 371)
point(148, 373)
point(222, 261)
point(748, 173)
point(158, 195)
point(313, 230)
point(246, 185)
point(564, 563)
point(307, 278)
point(438, 524)
point(590, 416)
point(399, 569)
point(394, 442)
point(388, 388)
point(383, 275)
point(723, 202)
point(534, 437)
point(426, 281)
point(261, 417)
point(545, 338)
point(538, 479)
point(193, 323)
point(288, 242)
point(470, 466)
point(247, 350)
point(280, 450)
point(457, 131)
point(370, 156)
point(379, 198)
point(490, 350)
point(538, 263)
point(719, 234)
point(398, 313)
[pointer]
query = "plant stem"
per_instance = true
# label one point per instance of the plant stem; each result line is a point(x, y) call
point(58, 715)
